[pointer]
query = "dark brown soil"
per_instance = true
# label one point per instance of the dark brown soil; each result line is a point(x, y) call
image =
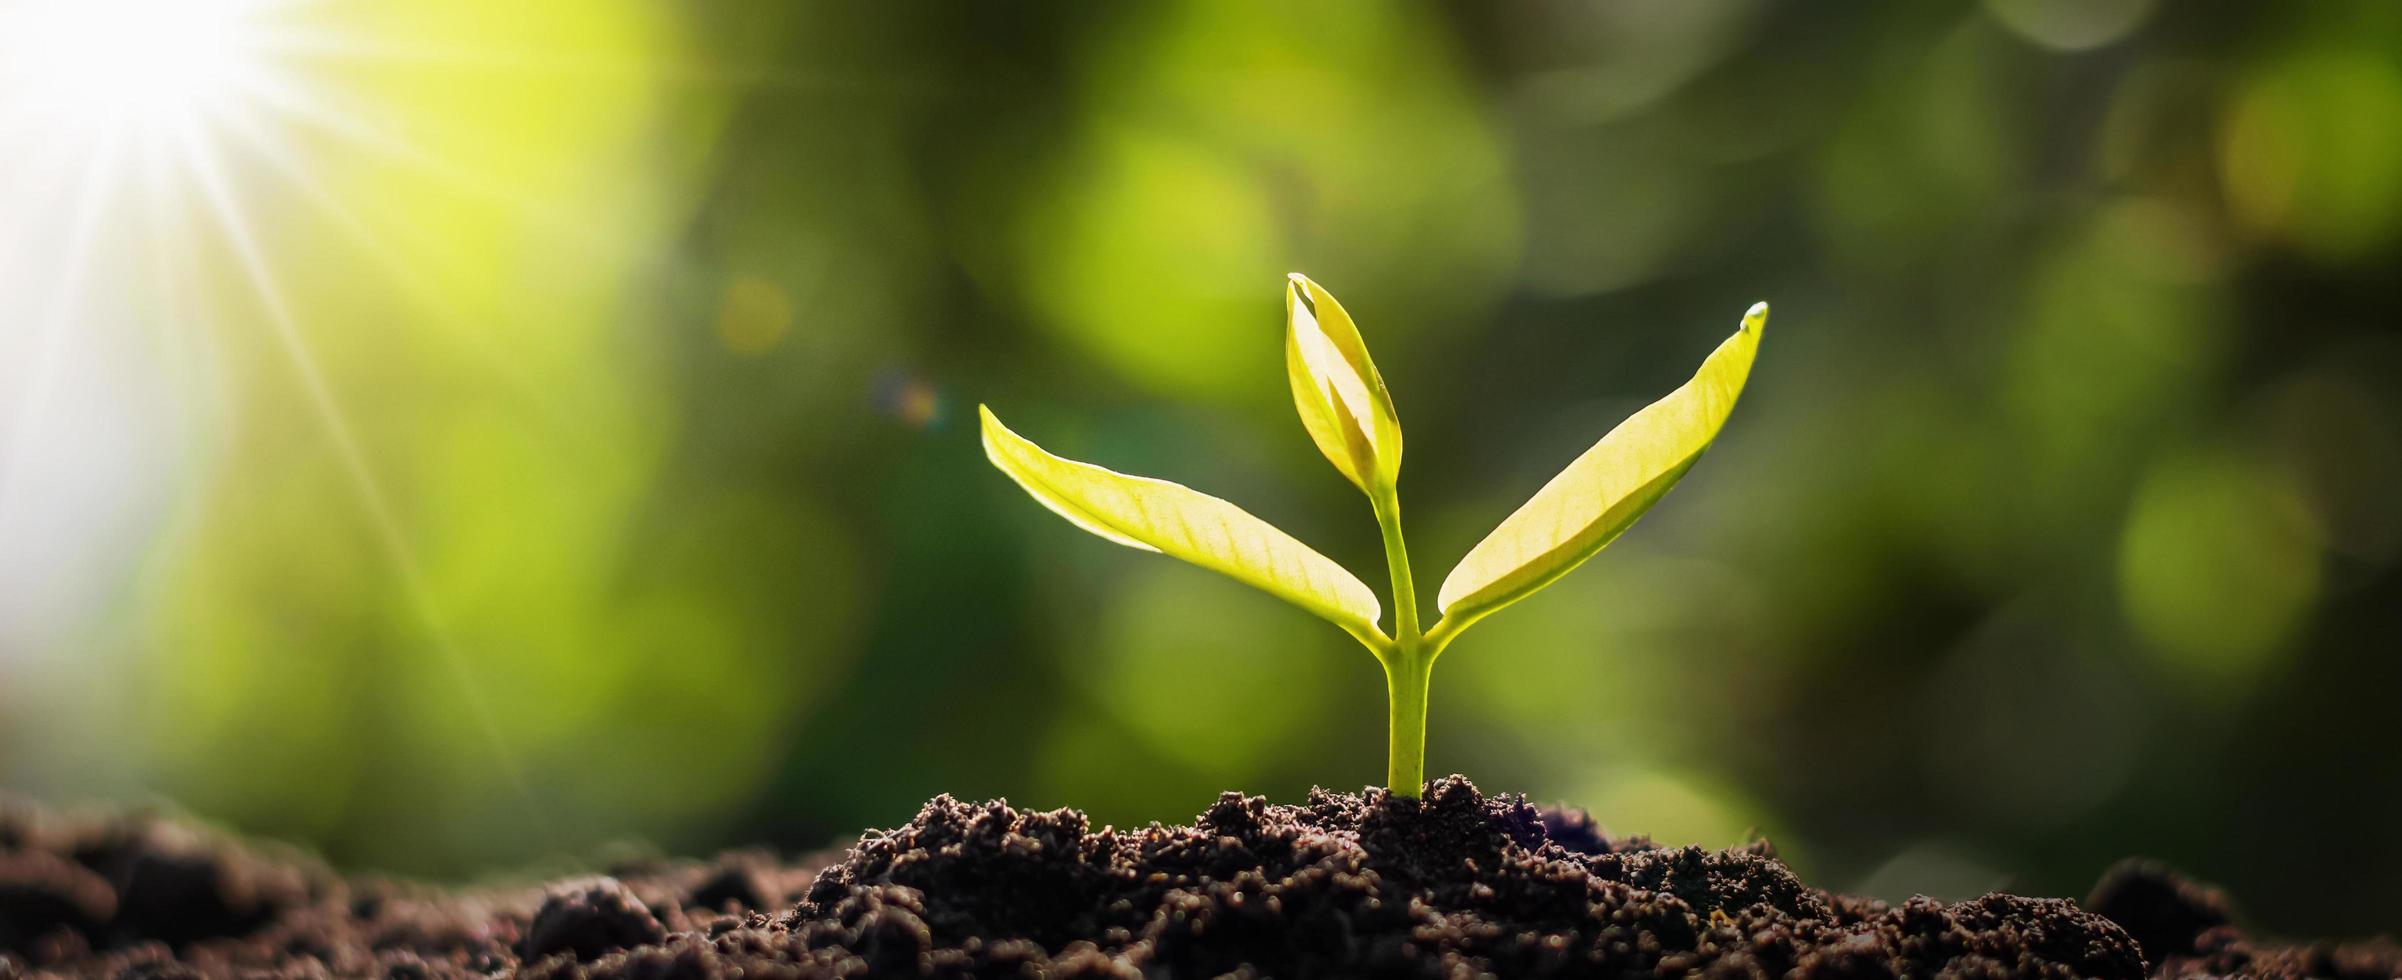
point(1457, 886)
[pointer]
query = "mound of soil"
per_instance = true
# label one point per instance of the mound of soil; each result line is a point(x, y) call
point(1456, 885)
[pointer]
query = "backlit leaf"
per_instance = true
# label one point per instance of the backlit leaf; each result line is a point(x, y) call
point(1342, 400)
point(1606, 489)
point(1155, 515)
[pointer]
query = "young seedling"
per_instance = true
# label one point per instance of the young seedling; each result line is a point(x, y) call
point(1350, 416)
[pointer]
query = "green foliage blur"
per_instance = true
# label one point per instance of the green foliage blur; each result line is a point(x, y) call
point(2059, 523)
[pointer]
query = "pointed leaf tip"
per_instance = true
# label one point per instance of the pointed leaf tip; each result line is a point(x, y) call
point(1010, 453)
point(1336, 389)
point(1156, 515)
point(1607, 488)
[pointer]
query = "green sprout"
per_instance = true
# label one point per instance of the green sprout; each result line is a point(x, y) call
point(1349, 414)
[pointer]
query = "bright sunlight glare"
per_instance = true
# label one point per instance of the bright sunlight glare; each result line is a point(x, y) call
point(146, 113)
point(99, 67)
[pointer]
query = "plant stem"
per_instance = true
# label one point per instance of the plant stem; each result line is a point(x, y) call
point(1405, 678)
point(1408, 663)
point(1397, 558)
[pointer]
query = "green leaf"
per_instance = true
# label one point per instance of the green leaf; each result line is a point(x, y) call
point(1175, 520)
point(1342, 400)
point(1602, 493)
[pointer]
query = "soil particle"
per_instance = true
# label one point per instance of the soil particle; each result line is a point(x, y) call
point(1457, 885)
point(588, 918)
point(2165, 912)
point(2187, 929)
point(747, 881)
point(43, 893)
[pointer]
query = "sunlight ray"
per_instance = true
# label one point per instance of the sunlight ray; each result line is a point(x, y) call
point(319, 113)
point(165, 222)
point(218, 194)
point(92, 202)
point(284, 159)
point(351, 49)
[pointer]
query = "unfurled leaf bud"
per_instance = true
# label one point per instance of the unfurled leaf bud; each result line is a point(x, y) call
point(1342, 400)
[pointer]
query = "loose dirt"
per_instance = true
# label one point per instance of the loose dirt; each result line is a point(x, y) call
point(1457, 885)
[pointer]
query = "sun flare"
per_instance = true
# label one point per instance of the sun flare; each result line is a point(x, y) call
point(103, 68)
point(148, 114)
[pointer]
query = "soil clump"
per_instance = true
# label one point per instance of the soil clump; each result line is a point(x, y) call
point(1458, 884)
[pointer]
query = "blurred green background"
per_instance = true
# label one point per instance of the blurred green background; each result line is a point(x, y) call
point(486, 432)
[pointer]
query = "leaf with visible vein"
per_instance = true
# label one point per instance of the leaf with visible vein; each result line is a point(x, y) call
point(1602, 493)
point(1178, 521)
